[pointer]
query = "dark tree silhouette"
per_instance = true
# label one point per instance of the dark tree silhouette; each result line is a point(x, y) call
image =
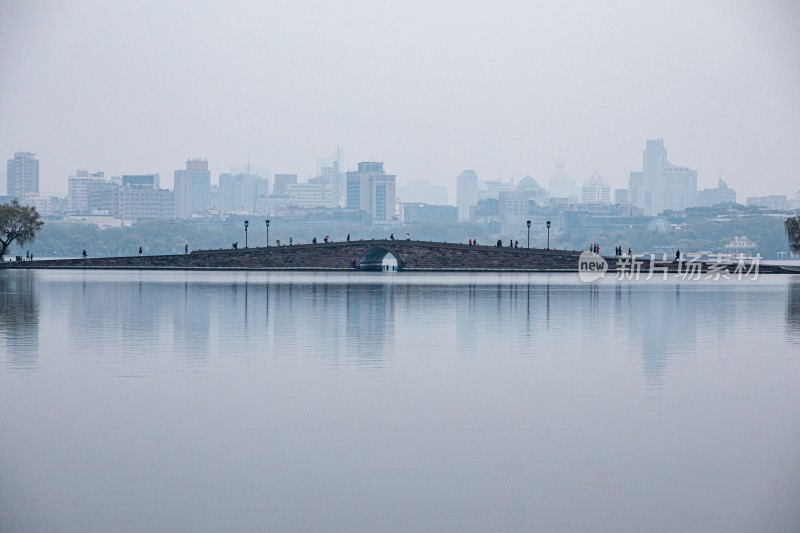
point(792, 226)
point(18, 223)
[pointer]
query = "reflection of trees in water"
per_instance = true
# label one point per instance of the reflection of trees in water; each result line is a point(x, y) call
point(793, 312)
point(19, 319)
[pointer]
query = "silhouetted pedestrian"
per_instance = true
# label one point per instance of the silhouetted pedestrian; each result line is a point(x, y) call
point(84, 254)
point(186, 248)
point(314, 240)
point(348, 237)
point(677, 256)
point(140, 250)
point(516, 244)
point(408, 236)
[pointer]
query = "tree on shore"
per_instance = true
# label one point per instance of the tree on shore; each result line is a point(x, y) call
point(18, 223)
point(792, 226)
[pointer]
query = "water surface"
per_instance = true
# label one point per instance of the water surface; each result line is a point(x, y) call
point(190, 401)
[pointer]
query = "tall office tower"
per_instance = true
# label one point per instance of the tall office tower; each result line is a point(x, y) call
point(192, 188)
point(466, 193)
point(281, 184)
point(661, 185)
point(372, 190)
point(22, 175)
point(595, 191)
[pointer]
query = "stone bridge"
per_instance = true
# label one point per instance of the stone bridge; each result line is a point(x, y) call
point(351, 255)
point(419, 256)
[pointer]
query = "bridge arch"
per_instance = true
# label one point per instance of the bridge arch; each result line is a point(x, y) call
point(372, 258)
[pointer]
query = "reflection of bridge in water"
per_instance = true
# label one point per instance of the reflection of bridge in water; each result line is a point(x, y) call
point(348, 255)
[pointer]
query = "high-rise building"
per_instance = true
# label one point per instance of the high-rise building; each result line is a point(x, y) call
point(192, 189)
point(595, 191)
point(238, 192)
point(372, 190)
point(422, 192)
point(662, 186)
point(561, 185)
point(151, 181)
point(282, 182)
point(22, 176)
point(333, 180)
point(78, 190)
point(466, 193)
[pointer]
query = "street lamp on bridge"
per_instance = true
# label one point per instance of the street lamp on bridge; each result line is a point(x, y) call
point(529, 234)
point(267, 232)
point(548, 234)
point(246, 223)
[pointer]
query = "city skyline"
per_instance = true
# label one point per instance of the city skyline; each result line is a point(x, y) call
point(507, 90)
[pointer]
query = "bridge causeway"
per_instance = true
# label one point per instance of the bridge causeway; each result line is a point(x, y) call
point(411, 256)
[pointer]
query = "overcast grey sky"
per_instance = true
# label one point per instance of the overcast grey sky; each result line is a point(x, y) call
point(430, 88)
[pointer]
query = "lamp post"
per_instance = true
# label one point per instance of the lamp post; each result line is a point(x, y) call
point(529, 234)
point(246, 223)
point(548, 234)
point(267, 232)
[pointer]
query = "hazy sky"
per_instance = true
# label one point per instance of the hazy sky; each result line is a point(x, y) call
point(430, 88)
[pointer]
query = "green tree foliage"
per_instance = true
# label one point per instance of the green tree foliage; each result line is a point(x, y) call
point(792, 226)
point(18, 223)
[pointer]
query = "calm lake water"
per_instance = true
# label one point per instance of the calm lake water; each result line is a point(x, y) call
point(191, 401)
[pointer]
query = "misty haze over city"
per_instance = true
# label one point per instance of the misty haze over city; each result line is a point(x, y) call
point(505, 89)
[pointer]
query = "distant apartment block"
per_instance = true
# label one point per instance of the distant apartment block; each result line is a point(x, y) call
point(309, 195)
point(466, 193)
point(595, 191)
point(774, 202)
point(192, 189)
point(414, 213)
point(22, 174)
point(722, 194)
point(662, 186)
point(371, 190)
point(622, 196)
point(138, 203)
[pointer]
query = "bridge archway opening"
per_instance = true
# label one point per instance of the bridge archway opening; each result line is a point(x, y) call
point(378, 259)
